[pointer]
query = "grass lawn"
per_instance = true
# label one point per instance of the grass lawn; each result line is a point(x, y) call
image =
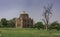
point(16, 32)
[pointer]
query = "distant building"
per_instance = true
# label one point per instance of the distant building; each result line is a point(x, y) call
point(24, 21)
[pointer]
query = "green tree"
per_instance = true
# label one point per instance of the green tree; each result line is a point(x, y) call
point(55, 25)
point(39, 25)
point(1, 24)
point(11, 22)
point(4, 22)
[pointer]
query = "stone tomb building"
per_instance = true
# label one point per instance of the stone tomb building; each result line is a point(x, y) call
point(24, 21)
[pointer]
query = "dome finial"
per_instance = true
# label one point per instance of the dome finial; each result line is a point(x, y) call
point(24, 12)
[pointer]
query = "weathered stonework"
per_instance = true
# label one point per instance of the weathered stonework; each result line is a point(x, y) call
point(24, 21)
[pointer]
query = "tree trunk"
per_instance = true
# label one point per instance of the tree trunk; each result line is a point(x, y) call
point(46, 27)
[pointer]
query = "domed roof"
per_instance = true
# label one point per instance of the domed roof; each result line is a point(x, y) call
point(24, 14)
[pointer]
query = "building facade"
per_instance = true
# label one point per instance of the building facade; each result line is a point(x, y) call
point(24, 21)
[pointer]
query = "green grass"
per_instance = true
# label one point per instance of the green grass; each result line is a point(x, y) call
point(17, 32)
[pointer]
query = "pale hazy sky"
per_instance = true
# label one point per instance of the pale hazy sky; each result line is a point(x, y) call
point(12, 8)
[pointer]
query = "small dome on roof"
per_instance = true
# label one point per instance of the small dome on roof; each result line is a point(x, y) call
point(23, 12)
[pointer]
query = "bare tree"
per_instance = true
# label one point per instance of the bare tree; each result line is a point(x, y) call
point(46, 14)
